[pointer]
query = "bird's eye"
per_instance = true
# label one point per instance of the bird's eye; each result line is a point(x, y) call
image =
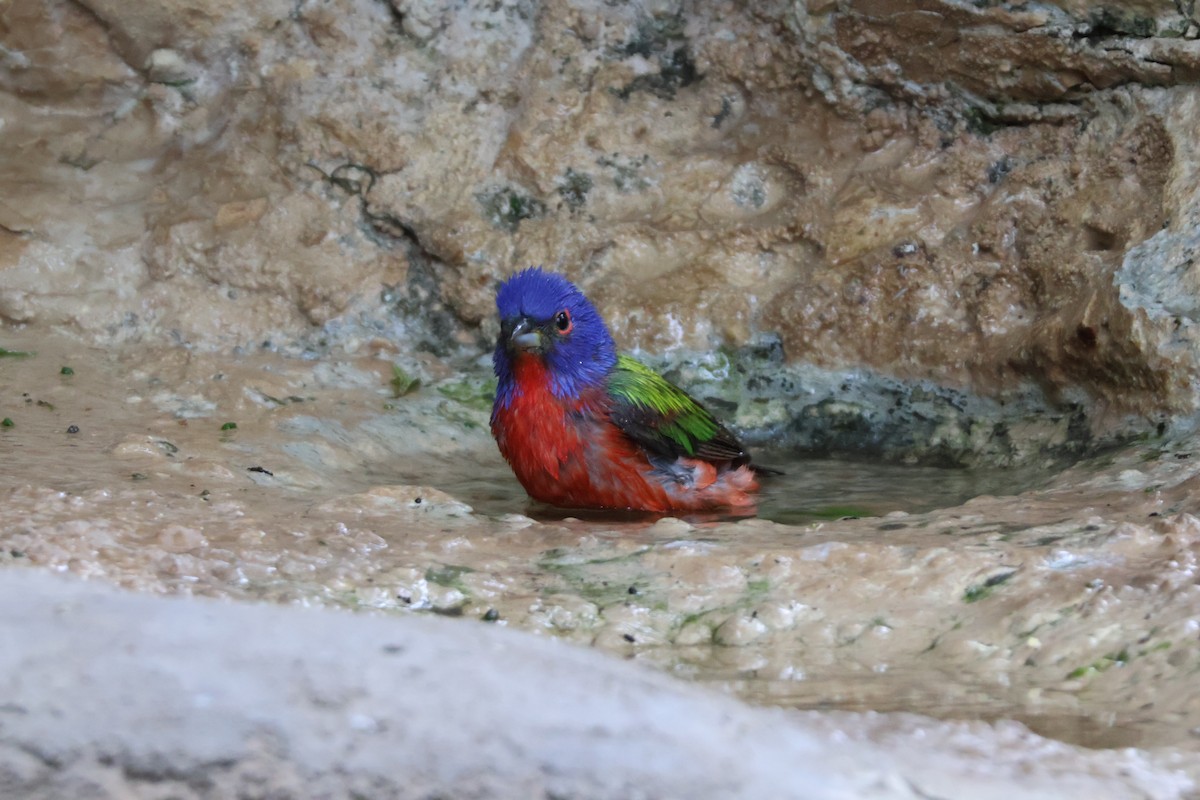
point(562, 321)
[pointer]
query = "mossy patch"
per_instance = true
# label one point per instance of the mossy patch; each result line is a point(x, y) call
point(448, 575)
point(626, 172)
point(403, 382)
point(1102, 664)
point(507, 207)
point(980, 591)
point(1117, 659)
point(659, 39)
point(602, 581)
point(758, 586)
point(474, 393)
point(573, 188)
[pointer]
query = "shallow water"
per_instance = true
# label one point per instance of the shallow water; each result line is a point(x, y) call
point(810, 489)
point(830, 488)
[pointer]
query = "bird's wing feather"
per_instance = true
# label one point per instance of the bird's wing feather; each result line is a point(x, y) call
point(664, 419)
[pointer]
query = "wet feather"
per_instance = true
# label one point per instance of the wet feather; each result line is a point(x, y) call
point(585, 428)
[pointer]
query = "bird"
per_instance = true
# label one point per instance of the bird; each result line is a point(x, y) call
point(585, 427)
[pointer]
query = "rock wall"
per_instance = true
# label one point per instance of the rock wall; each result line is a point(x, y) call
point(932, 190)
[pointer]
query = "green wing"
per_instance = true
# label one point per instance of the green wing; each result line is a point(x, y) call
point(664, 419)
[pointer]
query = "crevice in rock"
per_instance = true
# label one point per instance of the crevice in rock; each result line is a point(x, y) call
point(432, 325)
point(397, 16)
point(20, 232)
point(105, 26)
point(386, 230)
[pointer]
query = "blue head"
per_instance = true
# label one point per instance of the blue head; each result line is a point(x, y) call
point(543, 315)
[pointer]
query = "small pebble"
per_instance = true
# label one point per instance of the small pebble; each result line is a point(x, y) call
point(167, 66)
point(72, 429)
point(739, 630)
point(181, 539)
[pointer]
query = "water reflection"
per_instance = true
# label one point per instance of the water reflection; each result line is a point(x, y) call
point(810, 490)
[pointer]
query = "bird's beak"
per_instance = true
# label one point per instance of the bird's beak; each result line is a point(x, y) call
point(522, 334)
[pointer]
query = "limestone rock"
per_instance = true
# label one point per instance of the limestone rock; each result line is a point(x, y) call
point(927, 189)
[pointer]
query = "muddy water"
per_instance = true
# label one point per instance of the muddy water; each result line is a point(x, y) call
point(810, 489)
point(1065, 600)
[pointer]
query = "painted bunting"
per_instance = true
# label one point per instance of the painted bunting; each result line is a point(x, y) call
point(584, 427)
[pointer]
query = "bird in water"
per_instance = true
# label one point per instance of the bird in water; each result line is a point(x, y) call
point(584, 427)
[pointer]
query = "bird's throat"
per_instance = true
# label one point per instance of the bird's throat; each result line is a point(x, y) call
point(530, 372)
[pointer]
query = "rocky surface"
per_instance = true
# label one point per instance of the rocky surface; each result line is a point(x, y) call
point(1069, 606)
point(315, 704)
point(265, 239)
point(227, 175)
